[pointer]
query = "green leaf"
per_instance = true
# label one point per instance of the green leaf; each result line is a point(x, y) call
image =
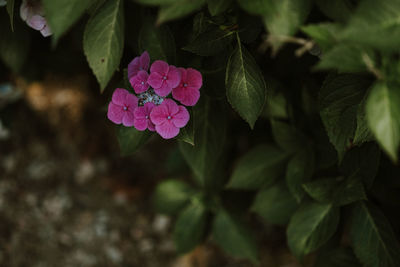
point(14, 46)
point(339, 98)
point(288, 137)
point(345, 58)
point(372, 237)
point(210, 42)
point(299, 170)
point(62, 14)
point(373, 23)
point(190, 226)
point(337, 191)
point(339, 257)
point(216, 7)
point(130, 139)
point(103, 40)
point(178, 9)
point(311, 226)
point(383, 115)
point(275, 204)
point(170, 196)
point(10, 11)
point(158, 41)
point(281, 17)
point(245, 85)
point(324, 34)
point(338, 10)
point(363, 132)
point(186, 134)
point(259, 167)
point(204, 158)
point(234, 238)
point(364, 161)
point(155, 2)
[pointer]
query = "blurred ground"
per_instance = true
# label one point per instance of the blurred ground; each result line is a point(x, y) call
point(68, 199)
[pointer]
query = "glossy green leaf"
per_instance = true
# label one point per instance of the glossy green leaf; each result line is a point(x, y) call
point(363, 132)
point(190, 226)
point(337, 190)
point(311, 226)
point(216, 7)
point(186, 134)
point(210, 42)
point(373, 23)
point(259, 167)
point(158, 41)
point(364, 161)
point(299, 170)
point(62, 14)
point(178, 9)
point(339, 98)
point(103, 40)
point(234, 237)
point(130, 139)
point(245, 85)
point(275, 204)
point(204, 158)
point(383, 115)
point(372, 237)
point(324, 34)
point(170, 196)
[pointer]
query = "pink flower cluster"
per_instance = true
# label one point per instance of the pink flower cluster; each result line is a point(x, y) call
point(151, 108)
point(32, 13)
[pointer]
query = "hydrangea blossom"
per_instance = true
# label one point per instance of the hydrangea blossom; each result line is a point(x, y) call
point(31, 11)
point(151, 108)
point(169, 118)
point(188, 90)
point(122, 107)
point(163, 77)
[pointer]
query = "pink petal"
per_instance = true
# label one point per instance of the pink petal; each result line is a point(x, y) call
point(133, 67)
point(160, 67)
point(187, 96)
point(155, 80)
point(140, 113)
point(167, 130)
point(194, 78)
point(145, 60)
point(128, 118)
point(36, 22)
point(131, 101)
point(183, 74)
point(140, 124)
point(159, 114)
point(115, 113)
point(119, 96)
point(139, 82)
point(149, 107)
point(151, 126)
point(46, 31)
point(181, 118)
point(174, 77)
point(172, 107)
point(163, 90)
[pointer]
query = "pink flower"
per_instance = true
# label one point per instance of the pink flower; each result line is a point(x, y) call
point(168, 118)
point(139, 82)
point(142, 117)
point(188, 91)
point(122, 107)
point(163, 77)
point(32, 13)
point(137, 64)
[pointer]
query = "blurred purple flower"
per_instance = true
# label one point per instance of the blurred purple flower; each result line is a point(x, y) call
point(139, 63)
point(32, 13)
point(122, 107)
point(188, 91)
point(163, 77)
point(169, 118)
